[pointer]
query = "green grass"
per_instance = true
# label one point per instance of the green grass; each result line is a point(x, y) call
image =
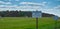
point(27, 23)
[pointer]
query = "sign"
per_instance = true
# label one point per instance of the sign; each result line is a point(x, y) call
point(37, 14)
point(56, 17)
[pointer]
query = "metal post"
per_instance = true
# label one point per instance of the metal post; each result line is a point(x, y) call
point(36, 23)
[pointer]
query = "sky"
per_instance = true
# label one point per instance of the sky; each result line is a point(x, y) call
point(46, 6)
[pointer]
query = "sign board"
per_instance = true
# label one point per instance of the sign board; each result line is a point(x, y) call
point(56, 17)
point(36, 14)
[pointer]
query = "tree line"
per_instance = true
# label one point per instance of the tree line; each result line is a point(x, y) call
point(20, 14)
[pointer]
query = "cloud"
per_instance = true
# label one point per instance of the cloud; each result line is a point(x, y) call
point(57, 10)
point(1, 2)
point(57, 7)
point(11, 0)
point(1, 6)
point(7, 6)
point(24, 7)
point(27, 3)
point(54, 10)
point(8, 3)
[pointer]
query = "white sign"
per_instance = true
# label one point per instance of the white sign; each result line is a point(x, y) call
point(37, 14)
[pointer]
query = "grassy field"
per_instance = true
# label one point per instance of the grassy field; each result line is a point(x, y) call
point(27, 23)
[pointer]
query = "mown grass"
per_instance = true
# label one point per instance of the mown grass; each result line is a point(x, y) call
point(28, 23)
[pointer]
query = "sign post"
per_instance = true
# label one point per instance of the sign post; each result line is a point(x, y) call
point(36, 14)
point(56, 19)
point(36, 23)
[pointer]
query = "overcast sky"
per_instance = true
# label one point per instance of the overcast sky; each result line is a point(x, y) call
point(46, 6)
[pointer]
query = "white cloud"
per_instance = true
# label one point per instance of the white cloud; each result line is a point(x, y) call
point(54, 10)
point(44, 3)
point(11, 0)
point(8, 6)
point(8, 3)
point(39, 4)
point(57, 7)
point(1, 2)
point(25, 7)
point(1, 6)
point(26, 3)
